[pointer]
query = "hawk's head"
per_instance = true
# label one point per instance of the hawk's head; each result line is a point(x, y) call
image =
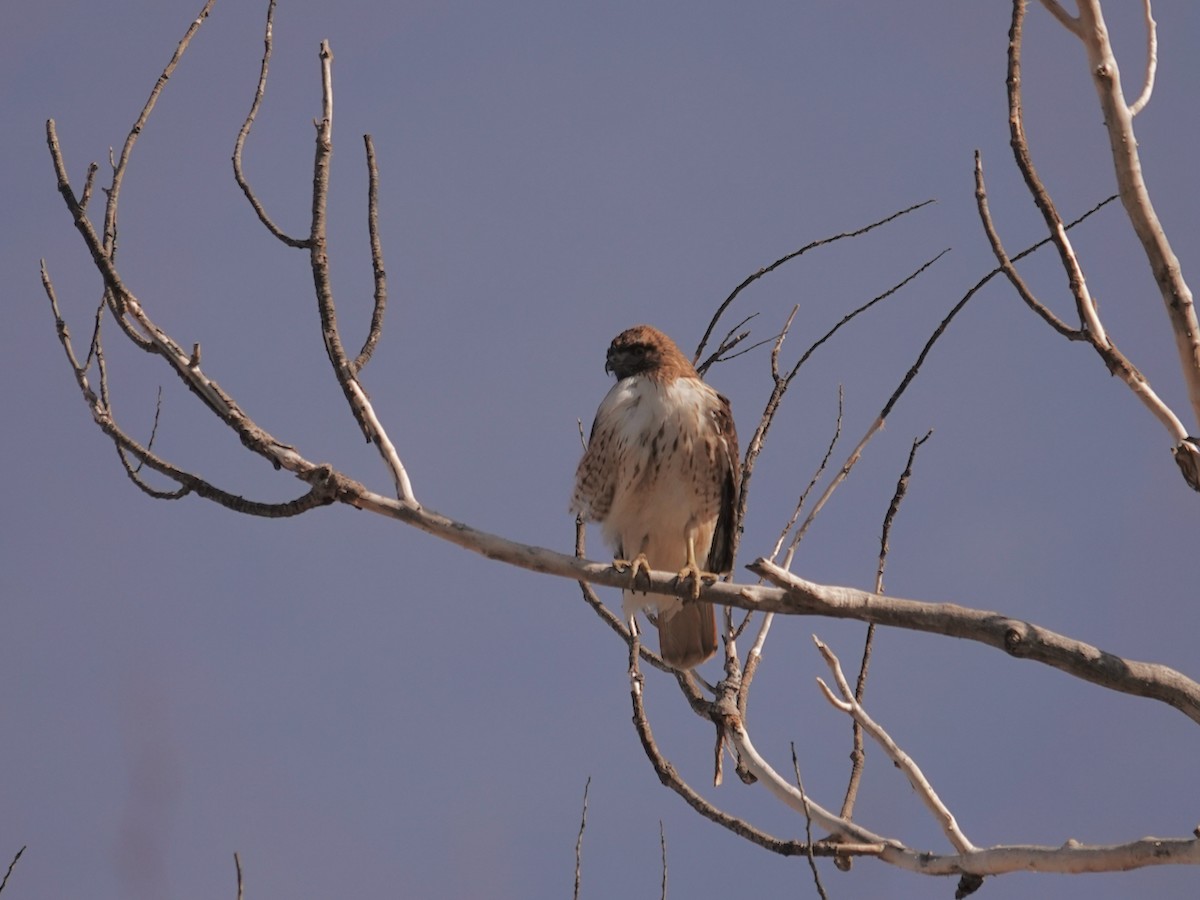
point(641, 349)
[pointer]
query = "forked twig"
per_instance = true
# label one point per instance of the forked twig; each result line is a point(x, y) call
point(1150, 232)
point(849, 705)
point(750, 279)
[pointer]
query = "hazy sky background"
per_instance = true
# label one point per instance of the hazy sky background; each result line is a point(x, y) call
point(363, 711)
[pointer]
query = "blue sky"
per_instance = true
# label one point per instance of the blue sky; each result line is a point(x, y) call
point(361, 710)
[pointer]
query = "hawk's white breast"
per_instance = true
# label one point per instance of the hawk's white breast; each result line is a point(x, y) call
point(664, 445)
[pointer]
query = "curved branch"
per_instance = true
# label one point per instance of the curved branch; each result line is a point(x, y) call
point(1151, 61)
point(380, 273)
point(669, 776)
point(239, 174)
point(1090, 28)
point(1010, 271)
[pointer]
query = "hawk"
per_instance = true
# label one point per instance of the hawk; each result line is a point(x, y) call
point(661, 474)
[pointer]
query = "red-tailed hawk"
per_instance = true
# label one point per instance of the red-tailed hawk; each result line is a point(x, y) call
point(661, 475)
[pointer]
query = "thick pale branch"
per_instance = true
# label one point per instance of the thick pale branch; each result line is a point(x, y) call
point(1020, 639)
point(1089, 27)
point(800, 597)
point(1135, 196)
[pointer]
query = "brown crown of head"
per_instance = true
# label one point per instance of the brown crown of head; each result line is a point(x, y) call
point(644, 349)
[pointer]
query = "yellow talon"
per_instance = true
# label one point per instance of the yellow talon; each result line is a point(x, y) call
point(691, 571)
point(639, 565)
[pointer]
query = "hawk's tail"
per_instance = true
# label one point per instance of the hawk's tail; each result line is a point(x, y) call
point(688, 636)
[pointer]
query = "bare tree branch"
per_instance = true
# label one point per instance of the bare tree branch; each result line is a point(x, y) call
point(750, 279)
point(11, 865)
point(858, 752)
point(905, 763)
point(579, 839)
point(1010, 271)
point(1151, 61)
point(1069, 857)
point(786, 593)
point(377, 267)
point(239, 174)
point(1023, 640)
point(812, 863)
point(118, 175)
point(662, 844)
point(670, 778)
point(1090, 28)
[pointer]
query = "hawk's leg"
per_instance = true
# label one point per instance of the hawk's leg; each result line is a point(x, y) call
point(639, 565)
point(691, 571)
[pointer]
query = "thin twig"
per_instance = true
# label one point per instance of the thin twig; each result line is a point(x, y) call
point(118, 175)
point(237, 862)
point(662, 843)
point(812, 863)
point(579, 839)
point(4, 880)
point(754, 656)
point(858, 753)
point(1041, 197)
point(782, 383)
point(377, 267)
point(154, 426)
point(1010, 271)
point(239, 174)
point(731, 340)
point(750, 279)
point(816, 476)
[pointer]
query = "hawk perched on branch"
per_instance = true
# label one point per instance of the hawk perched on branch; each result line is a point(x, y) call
point(661, 475)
